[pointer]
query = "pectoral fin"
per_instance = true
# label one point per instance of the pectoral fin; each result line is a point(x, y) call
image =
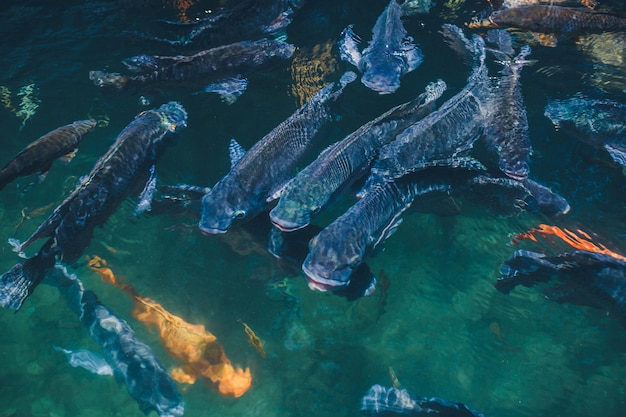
point(67, 158)
point(146, 196)
point(348, 47)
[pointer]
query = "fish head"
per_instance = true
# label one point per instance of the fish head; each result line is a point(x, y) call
point(220, 209)
point(331, 262)
point(173, 116)
point(294, 209)
point(382, 75)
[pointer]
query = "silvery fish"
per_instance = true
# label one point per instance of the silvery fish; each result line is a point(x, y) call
point(40, 154)
point(262, 172)
point(313, 186)
point(389, 55)
point(601, 123)
point(506, 133)
point(390, 401)
point(199, 69)
point(449, 130)
point(342, 245)
point(133, 362)
point(117, 175)
point(585, 278)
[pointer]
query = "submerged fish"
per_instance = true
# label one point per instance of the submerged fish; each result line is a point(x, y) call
point(449, 130)
point(40, 154)
point(200, 69)
point(389, 55)
point(311, 189)
point(554, 19)
point(389, 401)
point(601, 123)
point(262, 172)
point(118, 174)
point(342, 246)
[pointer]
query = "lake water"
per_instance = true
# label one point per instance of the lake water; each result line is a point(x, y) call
point(440, 324)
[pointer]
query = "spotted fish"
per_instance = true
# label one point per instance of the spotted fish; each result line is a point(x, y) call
point(117, 175)
point(40, 154)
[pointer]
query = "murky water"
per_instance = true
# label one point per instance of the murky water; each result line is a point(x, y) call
point(440, 323)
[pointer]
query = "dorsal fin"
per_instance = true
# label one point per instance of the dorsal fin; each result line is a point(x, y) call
point(235, 151)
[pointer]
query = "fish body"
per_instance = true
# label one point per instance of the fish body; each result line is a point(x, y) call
point(263, 171)
point(342, 245)
point(117, 175)
point(389, 55)
point(446, 132)
point(597, 122)
point(40, 154)
point(585, 277)
point(202, 68)
point(313, 186)
point(556, 19)
point(506, 133)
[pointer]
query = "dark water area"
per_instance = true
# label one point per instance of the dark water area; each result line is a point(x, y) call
point(440, 323)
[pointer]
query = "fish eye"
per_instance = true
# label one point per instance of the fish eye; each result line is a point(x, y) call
point(238, 214)
point(355, 260)
point(315, 209)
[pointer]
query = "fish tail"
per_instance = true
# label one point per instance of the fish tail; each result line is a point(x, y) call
point(20, 281)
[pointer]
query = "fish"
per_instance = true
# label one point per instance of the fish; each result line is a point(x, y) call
point(584, 277)
point(341, 246)
point(202, 68)
point(88, 360)
point(563, 21)
point(259, 176)
point(386, 401)
point(132, 361)
point(446, 132)
point(389, 55)
point(596, 122)
point(506, 132)
point(39, 155)
point(313, 187)
point(253, 339)
point(117, 175)
point(244, 19)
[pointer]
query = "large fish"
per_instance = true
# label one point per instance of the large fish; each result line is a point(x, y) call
point(558, 20)
point(600, 123)
point(200, 69)
point(313, 186)
point(118, 174)
point(259, 175)
point(449, 130)
point(506, 133)
point(389, 55)
point(341, 246)
point(40, 154)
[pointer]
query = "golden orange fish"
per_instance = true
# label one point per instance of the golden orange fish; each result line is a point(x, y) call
point(198, 349)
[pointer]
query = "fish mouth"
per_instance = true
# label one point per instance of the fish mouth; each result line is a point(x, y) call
point(209, 231)
point(319, 283)
point(286, 225)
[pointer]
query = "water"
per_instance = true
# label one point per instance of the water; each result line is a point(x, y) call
point(441, 325)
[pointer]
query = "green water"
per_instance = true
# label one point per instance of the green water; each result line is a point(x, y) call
point(440, 324)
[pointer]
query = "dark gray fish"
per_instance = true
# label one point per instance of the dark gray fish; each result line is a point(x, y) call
point(390, 401)
point(554, 19)
point(200, 69)
point(601, 123)
point(311, 189)
point(389, 55)
point(262, 172)
point(134, 363)
point(118, 174)
point(585, 278)
point(40, 154)
point(341, 246)
point(545, 201)
point(238, 20)
point(506, 132)
point(446, 132)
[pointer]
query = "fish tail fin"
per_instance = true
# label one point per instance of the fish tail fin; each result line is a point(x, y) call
point(20, 281)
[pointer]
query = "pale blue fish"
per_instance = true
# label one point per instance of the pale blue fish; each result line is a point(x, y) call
point(87, 359)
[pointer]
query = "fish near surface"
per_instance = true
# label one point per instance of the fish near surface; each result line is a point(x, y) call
point(259, 175)
point(449, 130)
point(389, 55)
point(199, 69)
point(341, 247)
point(117, 175)
point(312, 188)
point(39, 155)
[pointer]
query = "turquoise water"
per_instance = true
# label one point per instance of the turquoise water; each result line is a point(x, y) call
point(440, 324)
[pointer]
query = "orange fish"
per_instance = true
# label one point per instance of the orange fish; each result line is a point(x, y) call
point(198, 349)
